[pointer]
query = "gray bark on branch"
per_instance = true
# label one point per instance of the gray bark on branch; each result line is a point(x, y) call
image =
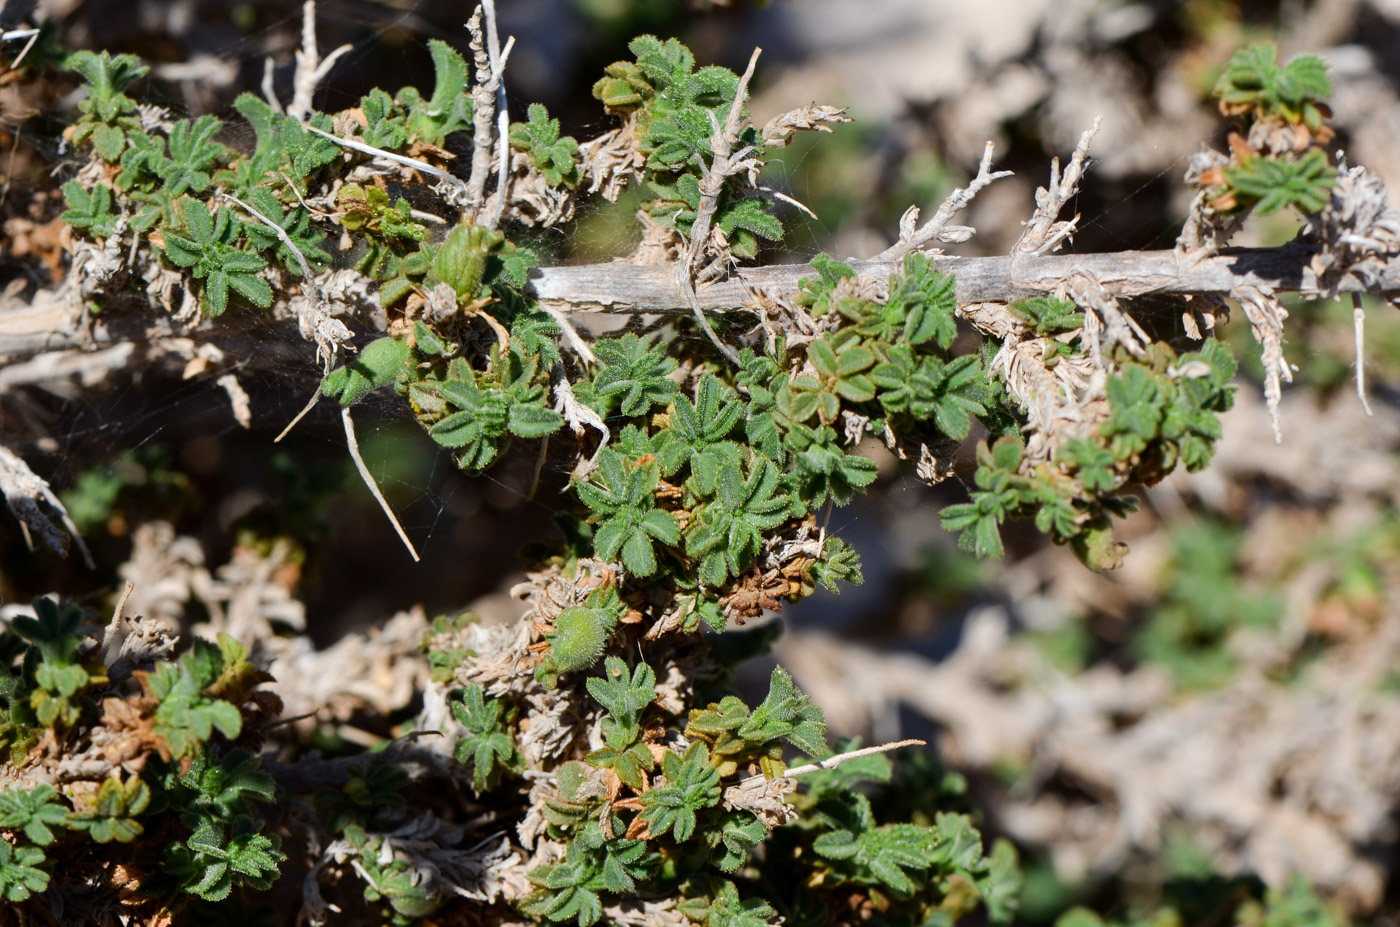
point(627, 288)
point(631, 288)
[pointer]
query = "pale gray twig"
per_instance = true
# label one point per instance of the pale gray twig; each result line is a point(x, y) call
point(498, 56)
point(368, 478)
point(725, 164)
point(832, 762)
point(311, 69)
point(414, 163)
point(1043, 233)
point(277, 230)
point(1358, 322)
point(310, 404)
point(937, 229)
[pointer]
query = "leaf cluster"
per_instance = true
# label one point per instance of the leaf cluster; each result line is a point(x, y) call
point(107, 112)
point(738, 736)
point(476, 413)
point(53, 673)
point(226, 848)
point(625, 697)
point(188, 694)
point(431, 120)
point(1163, 410)
point(392, 880)
point(208, 250)
point(1270, 185)
point(487, 745)
point(1254, 82)
point(593, 865)
point(553, 156)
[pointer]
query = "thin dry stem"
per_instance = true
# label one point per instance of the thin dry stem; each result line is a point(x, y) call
point(832, 762)
point(310, 404)
point(937, 229)
point(277, 230)
point(365, 475)
point(113, 626)
point(311, 69)
point(414, 163)
point(1043, 233)
point(498, 56)
point(725, 164)
point(572, 337)
point(1358, 321)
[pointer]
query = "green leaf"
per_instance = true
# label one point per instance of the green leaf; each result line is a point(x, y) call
point(623, 498)
point(450, 107)
point(1049, 316)
point(691, 785)
point(1135, 410)
point(1001, 886)
point(823, 470)
point(487, 745)
point(306, 152)
point(978, 522)
point(839, 563)
point(625, 697)
point(1253, 78)
point(385, 124)
point(1093, 463)
point(369, 209)
point(884, 857)
point(264, 120)
point(738, 836)
point(815, 294)
point(789, 710)
point(33, 812)
point(1275, 183)
point(186, 717)
point(735, 523)
point(377, 364)
point(569, 891)
point(224, 787)
point(633, 374)
point(305, 238)
point(107, 77)
point(923, 298)
point(112, 816)
point(208, 253)
point(527, 421)
point(89, 209)
point(725, 909)
point(554, 157)
point(218, 858)
point(737, 735)
point(192, 152)
point(20, 875)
